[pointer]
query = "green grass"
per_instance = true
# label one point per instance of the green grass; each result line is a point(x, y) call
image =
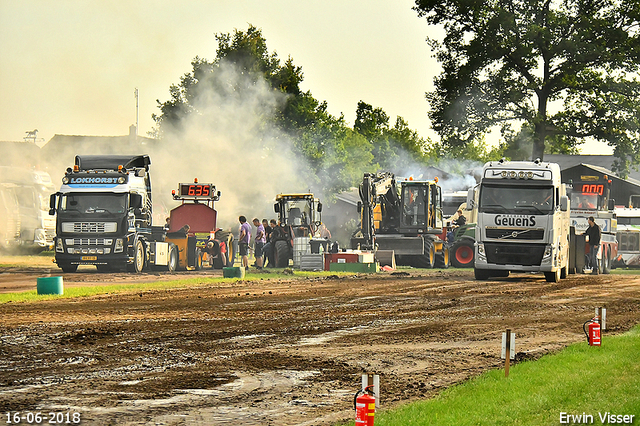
point(84, 291)
point(580, 379)
point(626, 271)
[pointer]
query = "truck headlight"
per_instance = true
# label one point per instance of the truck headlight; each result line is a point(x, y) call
point(59, 247)
point(547, 251)
point(481, 249)
point(119, 246)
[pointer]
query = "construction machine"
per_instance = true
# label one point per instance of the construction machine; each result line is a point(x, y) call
point(407, 220)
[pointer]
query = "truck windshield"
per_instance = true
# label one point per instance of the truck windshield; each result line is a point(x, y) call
point(89, 203)
point(516, 199)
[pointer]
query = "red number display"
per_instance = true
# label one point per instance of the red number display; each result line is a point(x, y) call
point(195, 190)
point(592, 188)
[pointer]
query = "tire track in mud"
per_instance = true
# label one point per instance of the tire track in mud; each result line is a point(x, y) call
point(284, 352)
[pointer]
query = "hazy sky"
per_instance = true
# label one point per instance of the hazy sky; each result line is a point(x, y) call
point(71, 66)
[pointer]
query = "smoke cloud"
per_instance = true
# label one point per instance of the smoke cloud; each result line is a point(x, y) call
point(229, 142)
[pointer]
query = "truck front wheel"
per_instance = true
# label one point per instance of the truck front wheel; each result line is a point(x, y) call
point(552, 277)
point(68, 267)
point(481, 274)
point(172, 265)
point(138, 257)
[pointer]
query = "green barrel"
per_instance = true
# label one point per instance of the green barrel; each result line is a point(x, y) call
point(50, 285)
point(233, 272)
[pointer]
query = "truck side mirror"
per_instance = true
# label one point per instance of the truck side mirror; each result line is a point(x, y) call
point(276, 208)
point(564, 203)
point(52, 204)
point(612, 204)
point(319, 207)
point(135, 201)
point(359, 206)
point(471, 202)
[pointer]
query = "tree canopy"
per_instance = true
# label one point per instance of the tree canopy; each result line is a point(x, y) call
point(566, 70)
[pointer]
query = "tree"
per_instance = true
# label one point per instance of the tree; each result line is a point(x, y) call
point(565, 69)
point(396, 148)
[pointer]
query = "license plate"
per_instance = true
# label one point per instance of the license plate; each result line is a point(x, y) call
point(89, 258)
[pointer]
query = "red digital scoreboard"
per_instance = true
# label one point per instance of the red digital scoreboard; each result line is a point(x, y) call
point(205, 190)
point(592, 188)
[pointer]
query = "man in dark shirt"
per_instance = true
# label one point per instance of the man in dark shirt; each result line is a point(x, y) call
point(594, 234)
point(461, 220)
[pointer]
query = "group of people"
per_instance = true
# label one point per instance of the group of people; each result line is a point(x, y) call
point(262, 241)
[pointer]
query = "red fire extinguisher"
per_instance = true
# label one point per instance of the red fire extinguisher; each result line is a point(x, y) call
point(593, 333)
point(365, 406)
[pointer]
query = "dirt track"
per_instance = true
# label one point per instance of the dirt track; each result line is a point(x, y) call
point(284, 351)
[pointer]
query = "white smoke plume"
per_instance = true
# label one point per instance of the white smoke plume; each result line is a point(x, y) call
point(228, 141)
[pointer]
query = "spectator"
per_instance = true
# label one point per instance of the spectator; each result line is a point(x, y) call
point(267, 229)
point(594, 233)
point(243, 241)
point(268, 247)
point(259, 242)
point(324, 231)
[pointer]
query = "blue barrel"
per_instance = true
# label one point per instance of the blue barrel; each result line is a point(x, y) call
point(50, 285)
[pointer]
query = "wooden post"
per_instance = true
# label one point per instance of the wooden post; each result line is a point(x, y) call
point(603, 318)
point(372, 379)
point(508, 357)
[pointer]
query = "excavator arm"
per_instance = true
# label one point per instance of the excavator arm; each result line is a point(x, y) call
point(373, 187)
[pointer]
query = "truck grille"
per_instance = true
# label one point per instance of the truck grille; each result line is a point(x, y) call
point(514, 254)
point(515, 234)
point(89, 227)
point(89, 241)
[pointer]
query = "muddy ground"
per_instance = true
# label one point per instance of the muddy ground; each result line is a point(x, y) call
point(284, 351)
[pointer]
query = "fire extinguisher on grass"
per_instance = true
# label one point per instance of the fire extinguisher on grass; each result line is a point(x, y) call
point(593, 333)
point(365, 406)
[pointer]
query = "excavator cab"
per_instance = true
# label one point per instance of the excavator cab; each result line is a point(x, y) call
point(421, 203)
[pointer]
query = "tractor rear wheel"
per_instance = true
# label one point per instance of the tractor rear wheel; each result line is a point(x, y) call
point(281, 254)
point(462, 254)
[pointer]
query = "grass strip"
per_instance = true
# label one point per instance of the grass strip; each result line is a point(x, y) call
point(578, 380)
point(85, 291)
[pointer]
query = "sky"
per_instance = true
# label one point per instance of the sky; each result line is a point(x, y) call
point(72, 66)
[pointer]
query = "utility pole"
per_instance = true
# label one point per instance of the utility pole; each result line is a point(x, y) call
point(136, 95)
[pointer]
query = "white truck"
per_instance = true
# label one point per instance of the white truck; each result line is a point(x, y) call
point(523, 220)
point(24, 198)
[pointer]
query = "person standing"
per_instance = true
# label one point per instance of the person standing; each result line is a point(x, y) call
point(243, 241)
point(268, 247)
point(267, 229)
point(259, 242)
point(594, 233)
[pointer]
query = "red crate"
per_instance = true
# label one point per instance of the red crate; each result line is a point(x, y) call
point(330, 258)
